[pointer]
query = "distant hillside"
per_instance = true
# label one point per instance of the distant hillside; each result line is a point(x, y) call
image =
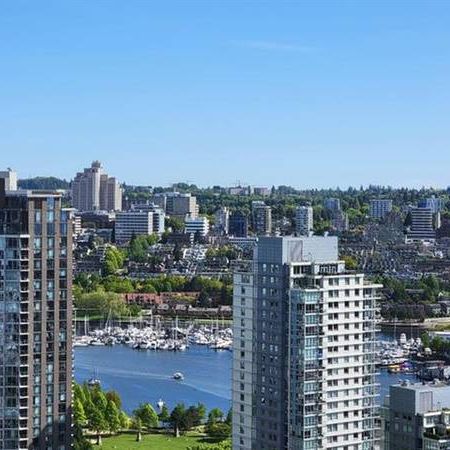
point(43, 183)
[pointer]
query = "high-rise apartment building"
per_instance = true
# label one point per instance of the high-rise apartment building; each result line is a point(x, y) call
point(35, 321)
point(421, 229)
point(304, 222)
point(261, 218)
point(238, 225)
point(94, 190)
point(222, 220)
point(379, 208)
point(304, 355)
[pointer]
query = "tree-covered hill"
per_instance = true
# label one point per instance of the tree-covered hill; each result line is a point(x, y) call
point(43, 183)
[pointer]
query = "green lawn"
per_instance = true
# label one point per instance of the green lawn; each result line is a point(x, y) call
point(152, 442)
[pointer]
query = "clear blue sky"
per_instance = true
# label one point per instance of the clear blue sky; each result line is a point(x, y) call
point(305, 93)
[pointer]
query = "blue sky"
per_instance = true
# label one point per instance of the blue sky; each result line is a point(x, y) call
point(305, 93)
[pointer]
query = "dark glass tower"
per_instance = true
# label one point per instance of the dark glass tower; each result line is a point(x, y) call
point(35, 321)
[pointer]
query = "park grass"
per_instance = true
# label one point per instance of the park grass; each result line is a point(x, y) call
point(127, 441)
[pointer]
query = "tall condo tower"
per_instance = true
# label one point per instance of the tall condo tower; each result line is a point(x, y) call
point(35, 321)
point(303, 359)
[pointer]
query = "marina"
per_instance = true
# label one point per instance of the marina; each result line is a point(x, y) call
point(168, 336)
point(397, 355)
point(148, 376)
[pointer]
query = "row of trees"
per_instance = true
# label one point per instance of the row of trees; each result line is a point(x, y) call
point(101, 412)
point(410, 299)
point(136, 251)
point(97, 411)
point(437, 344)
point(138, 247)
point(102, 303)
point(114, 260)
point(220, 291)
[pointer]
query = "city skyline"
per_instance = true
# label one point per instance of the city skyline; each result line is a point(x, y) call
point(261, 91)
point(225, 225)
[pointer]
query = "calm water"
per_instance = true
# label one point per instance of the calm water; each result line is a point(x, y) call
point(145, 376)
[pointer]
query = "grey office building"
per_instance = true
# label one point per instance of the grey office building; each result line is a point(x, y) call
point(421, 229)
point(303, 359)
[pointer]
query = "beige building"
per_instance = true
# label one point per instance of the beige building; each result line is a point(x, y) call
point(94, 190)
point(177, 204)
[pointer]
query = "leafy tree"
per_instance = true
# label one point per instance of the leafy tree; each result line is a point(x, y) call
point(138, 425)
point(78, 412)
point(79, 441)
point(118, 285)
point(425, 337)
point(194, 416)
point(124, 420)
point(229, 418)
point(147, 415)
point(218, 430)
point(350, 262)
point(96, 421)
point(164, 415)
point(112, 417)
point(177, 225)
point(139, 245)
point(102, 303)
point(114, 260)
point(215, 415)
point(178, 419)
point(115, 397)
point(43, 183)
point(215, 427)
